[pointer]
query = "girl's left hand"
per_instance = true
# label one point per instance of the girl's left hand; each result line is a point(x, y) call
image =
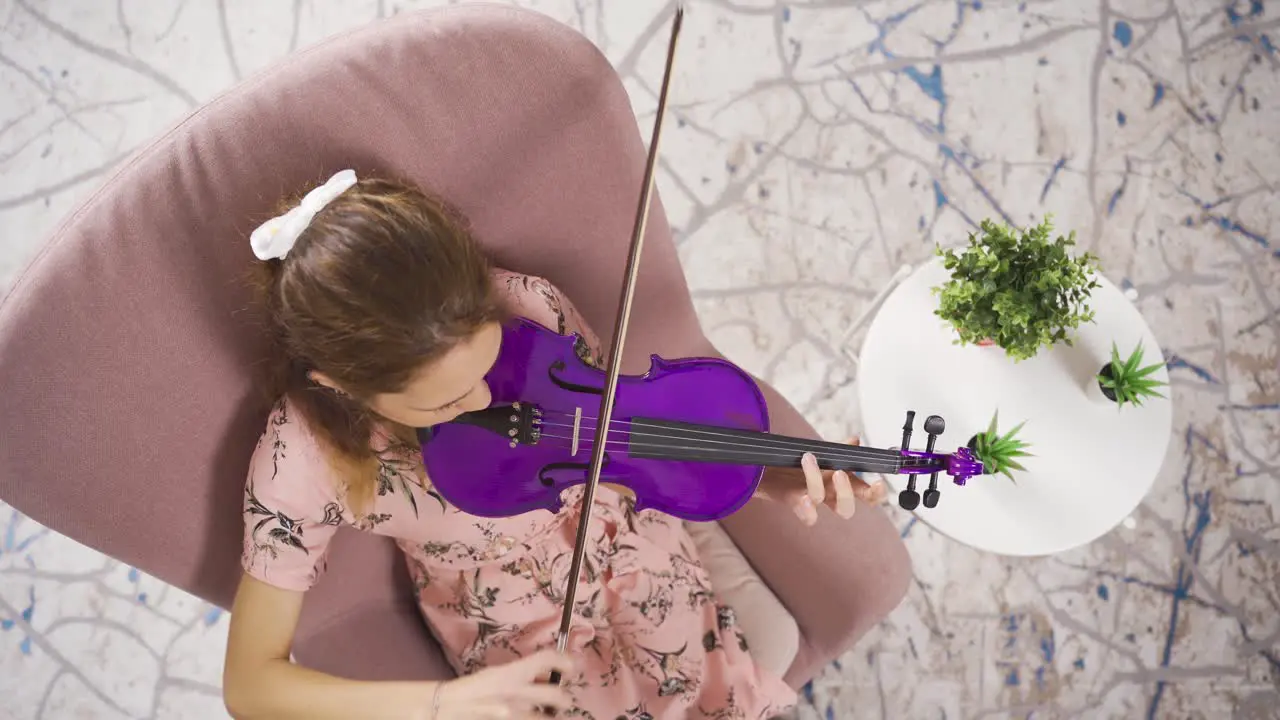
point(803, 490)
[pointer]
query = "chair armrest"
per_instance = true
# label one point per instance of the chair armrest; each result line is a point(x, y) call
point(361, 620)
point(838, 578)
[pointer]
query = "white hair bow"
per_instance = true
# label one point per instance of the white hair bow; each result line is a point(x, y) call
point(275, 237)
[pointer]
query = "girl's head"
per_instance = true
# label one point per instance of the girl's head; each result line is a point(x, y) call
point(380, 309)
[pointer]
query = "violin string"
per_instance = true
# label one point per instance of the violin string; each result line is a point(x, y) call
point(748, 452)
point(737, 441)
point(763, 439)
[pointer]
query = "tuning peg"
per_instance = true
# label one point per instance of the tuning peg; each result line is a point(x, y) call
point(935, 425)
point(909, 499)
point(931, 495)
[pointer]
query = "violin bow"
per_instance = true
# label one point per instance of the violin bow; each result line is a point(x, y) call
point(615, 357)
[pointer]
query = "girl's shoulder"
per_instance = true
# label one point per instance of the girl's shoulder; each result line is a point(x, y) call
point(290, 504)
point(535, 298)
point(290, 459)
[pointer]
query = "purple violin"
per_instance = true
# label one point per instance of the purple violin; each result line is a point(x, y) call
point(690, 438)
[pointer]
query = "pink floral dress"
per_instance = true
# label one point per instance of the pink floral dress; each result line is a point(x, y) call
point(652, 638)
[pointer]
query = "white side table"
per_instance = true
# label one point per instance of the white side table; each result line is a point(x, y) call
point(1093, 463)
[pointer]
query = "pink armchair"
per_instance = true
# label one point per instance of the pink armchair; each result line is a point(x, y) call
point(127, 348)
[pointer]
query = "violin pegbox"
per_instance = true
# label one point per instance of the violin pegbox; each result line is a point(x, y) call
point(960, 465)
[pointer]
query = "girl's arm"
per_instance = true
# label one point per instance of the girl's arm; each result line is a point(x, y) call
point(259, 681)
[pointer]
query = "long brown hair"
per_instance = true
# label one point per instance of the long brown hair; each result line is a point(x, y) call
point(384, 280)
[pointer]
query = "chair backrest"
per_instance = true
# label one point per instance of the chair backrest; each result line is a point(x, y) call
point(127, 348)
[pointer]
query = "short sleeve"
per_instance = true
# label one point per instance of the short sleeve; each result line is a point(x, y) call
point(538, 300)
point(290, 506)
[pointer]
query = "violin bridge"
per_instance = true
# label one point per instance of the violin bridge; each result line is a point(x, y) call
point(577, 431)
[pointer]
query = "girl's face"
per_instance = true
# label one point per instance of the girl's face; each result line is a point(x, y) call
point(445, 389)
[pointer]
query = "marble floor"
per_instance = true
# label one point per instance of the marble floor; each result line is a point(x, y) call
point(822, 143)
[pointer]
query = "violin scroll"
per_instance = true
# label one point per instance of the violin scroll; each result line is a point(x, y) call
point(960, 465)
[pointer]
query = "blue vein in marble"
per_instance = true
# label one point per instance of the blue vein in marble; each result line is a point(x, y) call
point(7, 624)
point(1234, 226)
point(1057, 167)
point(950, 154)
point(1186, 578)
point(11, 531)
point(1124, 183)
point(11, 541)
point(1234, 16)
point(1226, 223)
point(931, 84)
point(1123, 33)
point(1176, 361)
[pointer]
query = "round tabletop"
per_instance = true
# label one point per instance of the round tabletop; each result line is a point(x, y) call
point(1092, 462)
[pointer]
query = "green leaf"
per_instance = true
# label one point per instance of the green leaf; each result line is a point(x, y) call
point(1148, 370)
point(997, 451)
point(1018, 287)
point(1132, 363)
point(1016, 428)
point(1129, 381)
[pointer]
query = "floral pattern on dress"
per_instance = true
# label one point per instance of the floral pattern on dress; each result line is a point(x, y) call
point(653, 639)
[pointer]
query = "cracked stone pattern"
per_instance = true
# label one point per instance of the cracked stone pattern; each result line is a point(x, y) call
point(816, 147)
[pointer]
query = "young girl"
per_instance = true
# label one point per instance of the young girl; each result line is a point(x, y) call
point(386, 316)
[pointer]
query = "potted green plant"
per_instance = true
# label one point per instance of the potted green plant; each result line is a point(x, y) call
point(1019, 289)
point(1127, 381)
point(998, 452)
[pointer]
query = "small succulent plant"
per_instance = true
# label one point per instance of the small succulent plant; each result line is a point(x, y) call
point(1127, 381)
point(998, 452)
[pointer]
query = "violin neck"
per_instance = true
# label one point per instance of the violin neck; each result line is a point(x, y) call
point(668, 440)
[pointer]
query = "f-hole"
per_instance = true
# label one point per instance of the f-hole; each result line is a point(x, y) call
point(544, 475)
point(558, 366)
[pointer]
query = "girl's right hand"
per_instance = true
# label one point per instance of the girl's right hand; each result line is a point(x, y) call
point(516, 690)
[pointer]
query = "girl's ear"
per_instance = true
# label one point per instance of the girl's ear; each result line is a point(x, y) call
point(320, 378)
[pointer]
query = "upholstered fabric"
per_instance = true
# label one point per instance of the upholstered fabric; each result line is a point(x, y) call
point(127, 349)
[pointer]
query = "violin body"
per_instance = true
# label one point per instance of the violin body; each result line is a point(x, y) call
point(521, 453)
point(690, 437)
